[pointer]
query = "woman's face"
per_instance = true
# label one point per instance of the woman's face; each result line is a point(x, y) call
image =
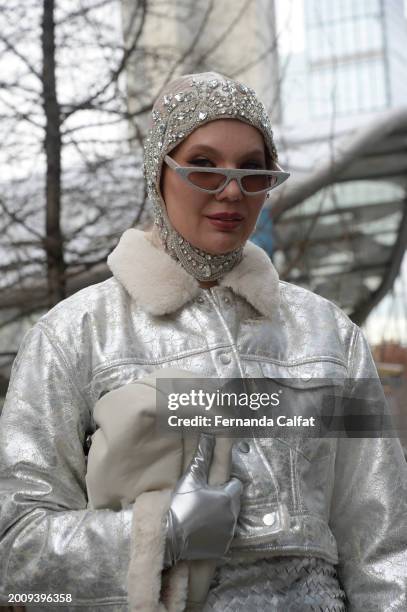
point(224, 143)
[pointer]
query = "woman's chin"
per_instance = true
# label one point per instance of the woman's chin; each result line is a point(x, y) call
point(219, 244)
point(220, 249)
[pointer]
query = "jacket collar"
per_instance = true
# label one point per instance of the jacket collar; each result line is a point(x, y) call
point(160, 285)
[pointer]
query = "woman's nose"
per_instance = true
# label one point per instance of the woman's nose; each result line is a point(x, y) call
point(231, 191)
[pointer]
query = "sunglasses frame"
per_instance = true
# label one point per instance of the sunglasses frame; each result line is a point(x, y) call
point(230, 174)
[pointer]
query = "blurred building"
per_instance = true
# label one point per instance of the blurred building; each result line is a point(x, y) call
point(346, 240)
point(354, 61)
point(233, 37)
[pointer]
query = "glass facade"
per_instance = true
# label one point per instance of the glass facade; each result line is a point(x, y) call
point(352, 63)
point(317, 11)
point(346, 63)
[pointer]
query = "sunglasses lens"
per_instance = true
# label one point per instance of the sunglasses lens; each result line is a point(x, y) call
point(206, 180)
point(258, 182)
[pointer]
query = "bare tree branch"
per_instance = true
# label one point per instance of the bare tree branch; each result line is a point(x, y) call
point(118, 70)
point(11, 47)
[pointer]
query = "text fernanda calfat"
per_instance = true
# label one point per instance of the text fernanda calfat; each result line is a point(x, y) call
point(221, 421)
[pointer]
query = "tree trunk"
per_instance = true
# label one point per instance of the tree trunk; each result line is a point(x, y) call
point(54, 240)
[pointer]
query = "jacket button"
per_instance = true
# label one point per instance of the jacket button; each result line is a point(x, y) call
point(244, 447)
point(226, 299)
point(225, 358)
point(269, 519)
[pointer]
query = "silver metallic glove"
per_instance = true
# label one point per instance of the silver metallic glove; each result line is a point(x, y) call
point(201, 519)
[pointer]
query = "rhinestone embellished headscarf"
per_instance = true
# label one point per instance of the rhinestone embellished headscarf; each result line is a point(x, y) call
point(186, 104)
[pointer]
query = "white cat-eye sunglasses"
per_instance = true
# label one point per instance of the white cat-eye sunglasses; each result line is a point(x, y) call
point(214, 180)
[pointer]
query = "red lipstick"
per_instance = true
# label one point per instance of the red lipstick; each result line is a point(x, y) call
point(225, 220)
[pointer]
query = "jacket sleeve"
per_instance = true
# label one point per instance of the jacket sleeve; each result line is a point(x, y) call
point(49, 541)
point(369, 505)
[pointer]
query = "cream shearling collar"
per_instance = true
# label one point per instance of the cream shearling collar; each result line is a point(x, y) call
point(160, 285)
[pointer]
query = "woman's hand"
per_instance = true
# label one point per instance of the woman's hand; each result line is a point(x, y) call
point(201, 519)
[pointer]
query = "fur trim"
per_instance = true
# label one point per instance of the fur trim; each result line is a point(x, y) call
point(255, 279)
point(175, 587)
point(153, 279)
point(144, 579)
point(160, 285)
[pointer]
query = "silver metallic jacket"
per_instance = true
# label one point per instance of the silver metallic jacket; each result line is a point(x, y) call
point(343, 500)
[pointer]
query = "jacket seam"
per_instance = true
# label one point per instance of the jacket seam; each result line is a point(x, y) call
point(305, 360)
point(301, 514)
point(287, 549)
point(294, 491)
point(297, 479)
point(270, 469)
point(352, 349)
point(245, 357)
point(68, 367)
point(139, 361)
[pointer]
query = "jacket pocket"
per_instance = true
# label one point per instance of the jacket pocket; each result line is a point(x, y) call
point(303, 457)
point(310, 396)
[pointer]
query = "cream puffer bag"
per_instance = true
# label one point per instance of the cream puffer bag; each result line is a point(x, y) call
point(129, 462)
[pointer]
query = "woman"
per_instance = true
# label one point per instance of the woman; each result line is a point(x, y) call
point(320, 519)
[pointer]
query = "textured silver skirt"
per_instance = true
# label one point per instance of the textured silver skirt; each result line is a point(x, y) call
point(276, 584)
